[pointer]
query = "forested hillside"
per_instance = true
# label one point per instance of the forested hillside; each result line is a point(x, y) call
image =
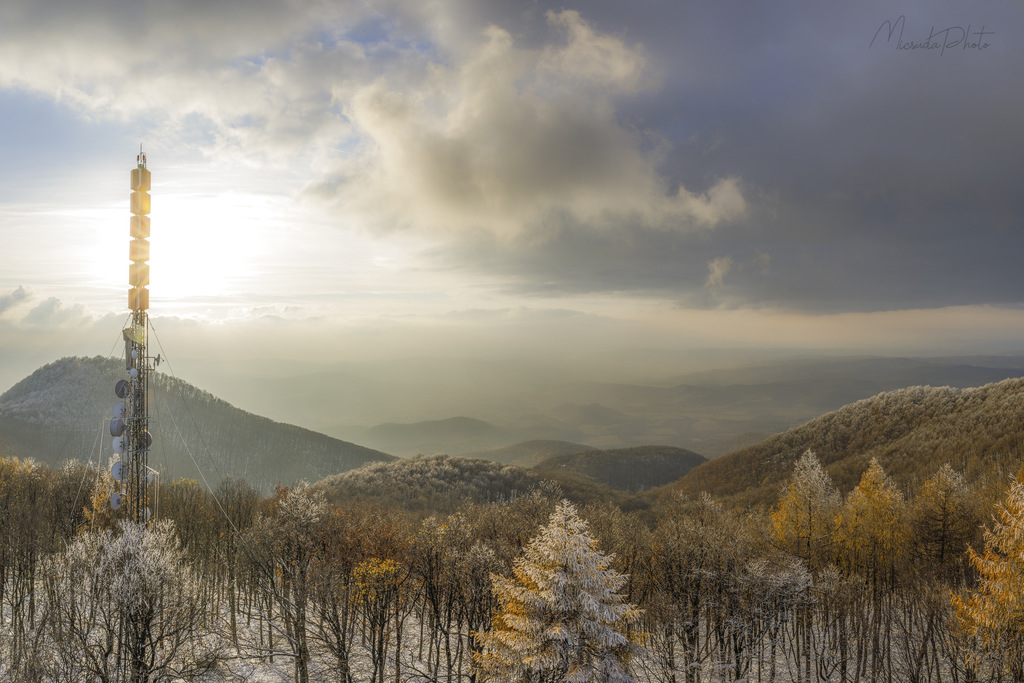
point(61, 412)
point(912, 432)
point(432, 483)
point(876, 585)
point(440, 483)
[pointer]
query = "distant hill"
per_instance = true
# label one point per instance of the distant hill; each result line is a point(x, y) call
point(441, 483)
point(61, 412)
point(452, 435)
point(429, 483)
point(529, 453)
point(887, 373)
point(627, 469)
point(913, 431)
point(709, 412)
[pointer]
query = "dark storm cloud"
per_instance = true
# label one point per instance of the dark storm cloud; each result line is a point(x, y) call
point(891, 177)
point(875, 178)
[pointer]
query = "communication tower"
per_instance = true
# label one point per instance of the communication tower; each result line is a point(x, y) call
point(129, 427)
point(130, 424)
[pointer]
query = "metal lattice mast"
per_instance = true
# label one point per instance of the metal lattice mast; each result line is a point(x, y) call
point(130, 426)
point(136, 346)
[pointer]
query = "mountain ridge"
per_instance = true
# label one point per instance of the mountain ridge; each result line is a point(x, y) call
point(912, 431)
point(530, 453)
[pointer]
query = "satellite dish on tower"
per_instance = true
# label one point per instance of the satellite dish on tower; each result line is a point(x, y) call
point(121, 388)
point(117, 426)
point(119, 409)
point(115, 471)
point(115, 501)
point(117, 443)
point(135, 334)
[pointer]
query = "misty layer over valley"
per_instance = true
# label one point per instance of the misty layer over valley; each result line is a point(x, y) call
point(464, 406)
point(59, 412)
point(597, 441)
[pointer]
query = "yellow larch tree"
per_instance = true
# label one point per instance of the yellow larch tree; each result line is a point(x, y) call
point(994, 611)
point(803, 521)
point(871, 527)
point(871, 535)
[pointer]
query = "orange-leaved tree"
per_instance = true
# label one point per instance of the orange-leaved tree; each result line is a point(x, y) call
point(871, 527)
point(993, 613)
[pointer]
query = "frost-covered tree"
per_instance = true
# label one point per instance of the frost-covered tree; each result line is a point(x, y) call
point(561, 618)
point(697, 547)
point(288, 544)
point(130, 587)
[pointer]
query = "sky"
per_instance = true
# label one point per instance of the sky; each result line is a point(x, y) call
point(599, 188)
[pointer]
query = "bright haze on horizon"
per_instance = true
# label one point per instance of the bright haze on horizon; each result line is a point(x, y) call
point(592, 190)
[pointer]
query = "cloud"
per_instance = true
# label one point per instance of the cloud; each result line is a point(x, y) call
point(513, 138)
point(254, 78)
point(473, 126)
point(52, 314)
point(15, 297)
point(594, 58)
point(49, 316)
point(617, 149)
point(717, 270)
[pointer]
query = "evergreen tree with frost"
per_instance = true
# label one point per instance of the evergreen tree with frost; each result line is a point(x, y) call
point(561, 617)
